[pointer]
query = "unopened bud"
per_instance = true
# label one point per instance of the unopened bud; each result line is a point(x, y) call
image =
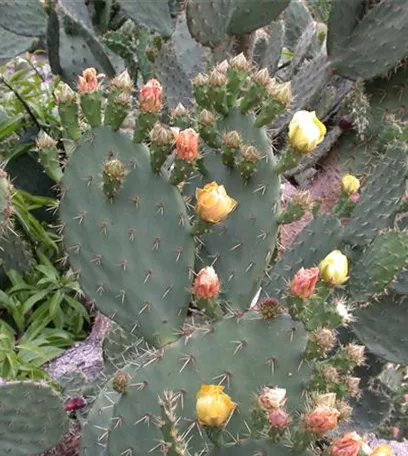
point(123, 98)
point(330, 374)
point(355, 353)
point(328, 399)
point(261, 78)
point(278, 419)
point(216, 78)
point(304, 282)
point(44, 141)
point(231, 139)
point(324, 338)
point(272, 398)
point(120, 382)
point(113, 174)
point(122, 82)
point(321, 420)
point(66, 95)
point(206, 117)
point(207, 284)
point(250, 154)
point(348, 444)
point(161, 135)
point(282, 93)
point(269, 308)
point(240, 63)
point(350, 184)
point(222, 67)
point(199, 80)
point(187, 145)
point(179, 111)
point(88, 82)
point(346, 411)
point(353, 385)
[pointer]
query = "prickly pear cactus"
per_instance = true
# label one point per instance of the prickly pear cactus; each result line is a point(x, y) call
point(183, 218)
point(32, 418)
point(188, 364)
point(131, 248)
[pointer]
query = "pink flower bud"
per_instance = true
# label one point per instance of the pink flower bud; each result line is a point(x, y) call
point(150, 96)
point(354, 197)
point(321, 419)
point(278, 419)
point(304, 282)
point(187, 145)
point(405, 396)
point(74, 403)
point(207, 284)
point(395, 431)
point(88, 82)
point(347, 445)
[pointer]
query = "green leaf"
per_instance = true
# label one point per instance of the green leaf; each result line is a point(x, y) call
point(34, 299)
point(54, 303)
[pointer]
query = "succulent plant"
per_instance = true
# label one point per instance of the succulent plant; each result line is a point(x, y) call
point(136, 238)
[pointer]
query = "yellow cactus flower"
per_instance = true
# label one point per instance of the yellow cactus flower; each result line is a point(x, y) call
point(382, 450)
point(334, 268)
point(305, 131)
point(213, 406)
point(350, 184)
point(213, 203)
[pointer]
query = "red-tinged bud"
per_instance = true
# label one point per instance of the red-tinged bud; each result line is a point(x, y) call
point(355, 198)
point(207, 284)
point(278, 419)
point(269, 308)
point(187, 145)
point(74, 403)
point(347, 445)
point(304, 282)
point(405, 397)
point(88, 82)
point(321, 420)
point(150, 97)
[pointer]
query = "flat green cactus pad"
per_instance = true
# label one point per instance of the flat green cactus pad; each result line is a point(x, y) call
point(133, 254)
point(32, 418)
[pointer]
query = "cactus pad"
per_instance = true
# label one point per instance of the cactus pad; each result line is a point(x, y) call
point(380, 198)
point(32, 418)
point(375, 45)
point(382, 327)
point(132, 253)
point(242, 245)
point(249, 356)
point(379, 264)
